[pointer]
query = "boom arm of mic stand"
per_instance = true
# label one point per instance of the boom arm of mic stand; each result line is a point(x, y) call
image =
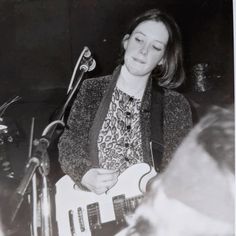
point(72, 92)
point(48, 132)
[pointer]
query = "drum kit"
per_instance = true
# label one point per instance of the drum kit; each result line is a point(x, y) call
point(7, 135)
point(31, 192)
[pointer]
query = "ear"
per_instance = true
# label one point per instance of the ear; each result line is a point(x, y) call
point(125, 41)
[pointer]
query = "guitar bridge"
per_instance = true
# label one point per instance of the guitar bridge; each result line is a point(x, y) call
point(81, 220)
point(71, 222)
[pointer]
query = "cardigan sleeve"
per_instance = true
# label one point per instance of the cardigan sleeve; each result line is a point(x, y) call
point(177, 123)
point(73, 144)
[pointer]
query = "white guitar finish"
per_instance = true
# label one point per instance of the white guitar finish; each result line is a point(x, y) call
point(75, 207)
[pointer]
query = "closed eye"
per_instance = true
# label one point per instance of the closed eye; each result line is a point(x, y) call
point(157, 48)
point(139, 40)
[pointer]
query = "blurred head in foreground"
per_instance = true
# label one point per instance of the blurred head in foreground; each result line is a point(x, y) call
point(194, 196)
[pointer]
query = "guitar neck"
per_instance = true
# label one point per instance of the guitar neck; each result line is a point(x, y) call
point(123, 207)
point(132, 203)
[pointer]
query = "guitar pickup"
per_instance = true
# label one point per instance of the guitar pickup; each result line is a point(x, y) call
point(119, 208)
point(94, 217)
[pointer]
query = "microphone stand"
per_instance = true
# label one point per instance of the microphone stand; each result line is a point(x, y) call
point(35, 161)
point(39, 159)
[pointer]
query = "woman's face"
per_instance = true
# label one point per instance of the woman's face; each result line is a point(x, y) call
point(145, 47)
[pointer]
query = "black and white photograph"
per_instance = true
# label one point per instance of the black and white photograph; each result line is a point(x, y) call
point(117, 118)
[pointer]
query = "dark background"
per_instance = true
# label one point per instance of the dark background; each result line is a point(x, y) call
point(41, 41)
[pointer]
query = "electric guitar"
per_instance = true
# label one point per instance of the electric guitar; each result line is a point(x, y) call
point(80, 213)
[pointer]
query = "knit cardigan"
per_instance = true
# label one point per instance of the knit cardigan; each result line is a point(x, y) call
point(165, 118)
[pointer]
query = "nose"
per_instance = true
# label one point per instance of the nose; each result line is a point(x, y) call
point(144, 49)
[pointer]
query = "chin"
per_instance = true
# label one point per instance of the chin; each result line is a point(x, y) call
point(136, 68)
point(137, 71)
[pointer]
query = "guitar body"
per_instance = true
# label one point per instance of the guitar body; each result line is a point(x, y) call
point(79, 212)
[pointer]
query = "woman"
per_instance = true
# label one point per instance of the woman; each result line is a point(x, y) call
point(131, 116)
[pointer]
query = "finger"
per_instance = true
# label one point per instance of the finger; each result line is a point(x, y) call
point(113, 183)
point(109, 184)
point(106, 171)
point(98, 189)
point(108, 177)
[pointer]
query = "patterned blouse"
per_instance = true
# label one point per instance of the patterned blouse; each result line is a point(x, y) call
point(119, 140)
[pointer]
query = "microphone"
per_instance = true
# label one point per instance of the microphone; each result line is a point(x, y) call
point(88, 63)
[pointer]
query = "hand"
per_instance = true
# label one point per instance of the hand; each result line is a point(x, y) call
point(100, 180)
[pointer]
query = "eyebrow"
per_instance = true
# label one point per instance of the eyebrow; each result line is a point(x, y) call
point(140, 32)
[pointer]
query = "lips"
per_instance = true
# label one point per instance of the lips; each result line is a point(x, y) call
point(139, 60)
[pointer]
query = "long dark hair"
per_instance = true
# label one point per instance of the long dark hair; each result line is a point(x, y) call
point(171, 73)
